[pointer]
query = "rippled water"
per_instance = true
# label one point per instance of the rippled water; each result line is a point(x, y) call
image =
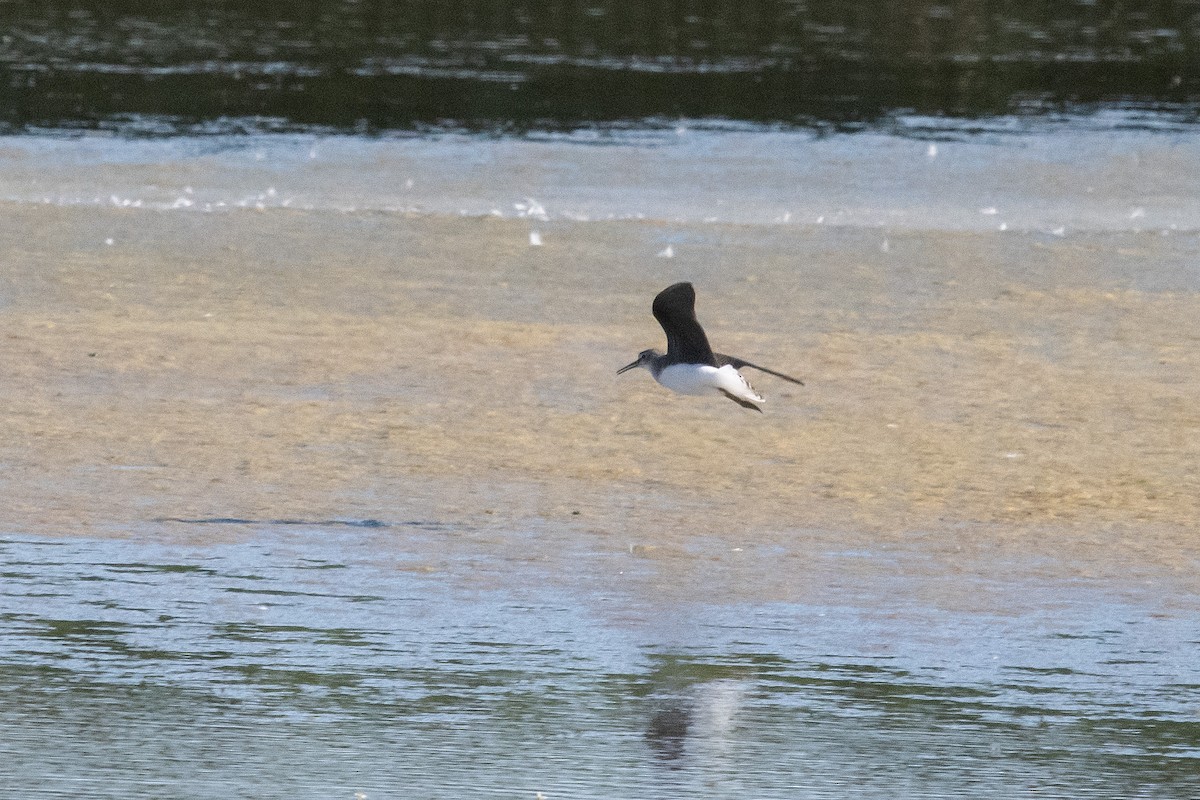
point(290, 659)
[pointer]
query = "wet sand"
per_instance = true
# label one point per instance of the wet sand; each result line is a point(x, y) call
point(997, 398)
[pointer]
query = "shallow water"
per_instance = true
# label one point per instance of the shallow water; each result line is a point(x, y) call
point(295, 659)
point(1115, 171)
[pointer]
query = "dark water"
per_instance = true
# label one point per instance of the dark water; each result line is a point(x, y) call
point(371, 65)
point(298, 660)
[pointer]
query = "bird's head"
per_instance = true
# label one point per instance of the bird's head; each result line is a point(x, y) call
point(644, 359)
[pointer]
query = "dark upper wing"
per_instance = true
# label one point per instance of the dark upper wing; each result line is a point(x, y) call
point(675, 310)
point(738, 363)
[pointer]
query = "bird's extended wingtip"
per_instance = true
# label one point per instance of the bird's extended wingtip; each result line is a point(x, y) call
point(738, 363)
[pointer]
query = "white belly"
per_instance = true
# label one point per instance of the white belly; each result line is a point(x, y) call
point(703, 379)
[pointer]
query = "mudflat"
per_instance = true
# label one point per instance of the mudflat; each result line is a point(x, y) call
point(982, 393)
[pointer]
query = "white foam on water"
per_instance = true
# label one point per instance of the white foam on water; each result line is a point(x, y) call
point(1126, 179)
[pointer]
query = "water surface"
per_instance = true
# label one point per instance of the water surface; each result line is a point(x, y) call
point(369, 66)
point(214, 658)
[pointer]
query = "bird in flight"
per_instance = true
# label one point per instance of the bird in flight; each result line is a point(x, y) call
point(690, 366)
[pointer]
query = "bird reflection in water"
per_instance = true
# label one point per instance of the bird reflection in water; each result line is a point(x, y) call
point(667, 733)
